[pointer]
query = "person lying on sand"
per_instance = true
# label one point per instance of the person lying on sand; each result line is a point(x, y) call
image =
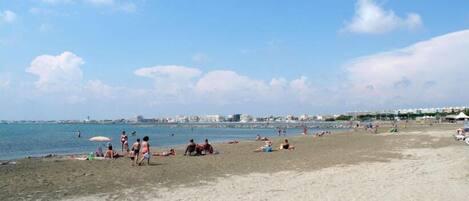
point(171, 152)
point(232, 142)
point(285, 145)
point(259, 138)
point(266, 148)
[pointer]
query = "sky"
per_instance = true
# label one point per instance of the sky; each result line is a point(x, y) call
point(108, 59)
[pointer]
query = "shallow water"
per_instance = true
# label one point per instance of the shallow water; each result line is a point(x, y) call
point(22, 140)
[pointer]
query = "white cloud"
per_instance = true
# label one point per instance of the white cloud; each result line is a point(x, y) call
point(373, 19)
point(99, 89)
point(101, 2)
point(222, 86)
point(170, 79)
point(8, 16)
point(57, 73)
point(118, 5)
point(4, 81)
point(428, 72)
point(126, 6)
point(57, 1)
point(200, 58)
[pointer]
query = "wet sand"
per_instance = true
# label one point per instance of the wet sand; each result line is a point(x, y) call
point(169, 178)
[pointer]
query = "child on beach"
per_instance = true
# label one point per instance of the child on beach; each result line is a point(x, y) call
point(135, 150)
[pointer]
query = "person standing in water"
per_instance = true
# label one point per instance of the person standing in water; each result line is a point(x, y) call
point(79, 134)
point(124, 139)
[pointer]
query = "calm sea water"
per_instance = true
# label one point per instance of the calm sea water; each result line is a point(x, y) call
point(22, 140)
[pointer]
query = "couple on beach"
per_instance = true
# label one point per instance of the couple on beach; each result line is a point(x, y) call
point(268, 146)
point(194, 149)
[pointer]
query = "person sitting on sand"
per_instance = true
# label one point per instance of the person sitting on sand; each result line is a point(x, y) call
point(171, 152)
point(99, 152)
point(285, 145)
point(111, 154)
point(191, 148)
point(207, 148)
point(266, 148)
point(145, 151)
point(258, 137)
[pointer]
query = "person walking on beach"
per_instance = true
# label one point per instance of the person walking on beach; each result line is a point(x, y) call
point(145, 151)
point(136, 150)
point(124, 138)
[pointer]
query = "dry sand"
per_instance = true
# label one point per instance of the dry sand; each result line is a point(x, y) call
point(421, 163)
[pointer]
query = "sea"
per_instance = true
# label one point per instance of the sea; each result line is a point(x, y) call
point(20, 140)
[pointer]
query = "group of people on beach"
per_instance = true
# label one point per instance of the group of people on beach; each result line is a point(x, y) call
point(193, 149)
point(139, 151)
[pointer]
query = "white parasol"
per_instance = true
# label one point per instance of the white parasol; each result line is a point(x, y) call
point(100, 139)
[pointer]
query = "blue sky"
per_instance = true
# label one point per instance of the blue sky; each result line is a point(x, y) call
point(66, 59)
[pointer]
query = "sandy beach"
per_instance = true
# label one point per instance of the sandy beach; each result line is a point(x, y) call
point(420, 163)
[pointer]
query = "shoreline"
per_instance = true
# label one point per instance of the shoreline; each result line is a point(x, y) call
point(54, 179)
point(163, 147)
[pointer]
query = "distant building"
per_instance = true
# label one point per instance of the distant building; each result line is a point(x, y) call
point(213, 118)
point(245, 118)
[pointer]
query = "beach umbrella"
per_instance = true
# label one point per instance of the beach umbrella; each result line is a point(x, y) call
point(100, 139)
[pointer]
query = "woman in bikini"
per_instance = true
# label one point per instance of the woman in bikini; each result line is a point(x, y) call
point(145, 151)
point(124, 139)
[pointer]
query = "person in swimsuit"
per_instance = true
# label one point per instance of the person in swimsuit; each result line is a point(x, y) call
point(266, 148)
point(124, 138)
point(207, 148)
point(285, 145)
point(136, 150)
point(145, 151)
point(191, 148)
point(171, 152)
point(111, 154)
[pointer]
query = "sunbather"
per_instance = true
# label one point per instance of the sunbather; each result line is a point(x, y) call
point(207, 147)
point(285, 145)
point(266, 148)
point(191, 148)
point(111, 154)
point(171, 152)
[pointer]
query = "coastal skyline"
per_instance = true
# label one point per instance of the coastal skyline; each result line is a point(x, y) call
point(67, 59)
